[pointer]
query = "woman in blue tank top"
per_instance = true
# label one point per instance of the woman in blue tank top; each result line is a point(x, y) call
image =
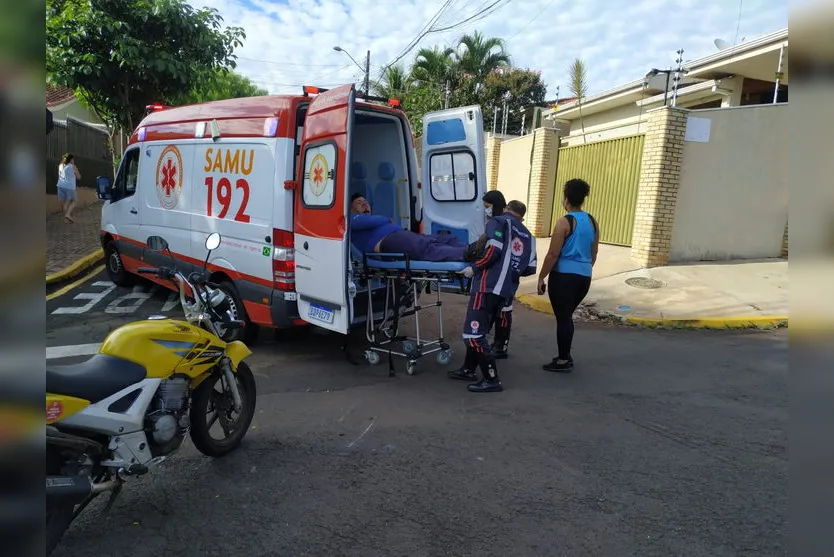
point(568, 267)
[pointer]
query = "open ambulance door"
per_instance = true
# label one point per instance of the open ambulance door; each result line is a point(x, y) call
point(321, 207)
point(454, 172)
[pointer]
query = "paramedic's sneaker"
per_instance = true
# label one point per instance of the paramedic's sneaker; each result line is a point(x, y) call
point(484, 386)
point(559, 367)
point(499, 354)
point(463, 374)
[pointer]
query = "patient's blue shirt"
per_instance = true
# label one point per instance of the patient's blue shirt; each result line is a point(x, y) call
point(367, 230)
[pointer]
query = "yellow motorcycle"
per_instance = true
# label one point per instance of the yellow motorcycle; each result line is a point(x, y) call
point(123, 411)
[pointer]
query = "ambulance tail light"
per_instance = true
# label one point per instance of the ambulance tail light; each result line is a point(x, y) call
point(283, 260)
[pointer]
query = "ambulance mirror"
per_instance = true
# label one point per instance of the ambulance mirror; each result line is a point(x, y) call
point(157, 243)
point(213, 241)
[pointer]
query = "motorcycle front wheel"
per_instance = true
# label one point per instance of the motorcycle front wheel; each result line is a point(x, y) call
point(212, 410)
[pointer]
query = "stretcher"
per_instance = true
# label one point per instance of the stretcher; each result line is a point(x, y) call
point(403, 280)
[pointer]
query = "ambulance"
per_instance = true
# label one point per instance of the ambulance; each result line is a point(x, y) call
point(274, 176)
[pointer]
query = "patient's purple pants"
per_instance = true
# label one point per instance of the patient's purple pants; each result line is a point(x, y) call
point(423, 247)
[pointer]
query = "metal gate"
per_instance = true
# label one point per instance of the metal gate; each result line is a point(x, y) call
point(612, 168)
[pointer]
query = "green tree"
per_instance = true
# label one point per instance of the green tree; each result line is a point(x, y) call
point(394, 83)
point(522, 89)
point(434, 66)
point(478, 56)
point(224, 84)
point(578, 85)
point(420, 100)
point(121, 55)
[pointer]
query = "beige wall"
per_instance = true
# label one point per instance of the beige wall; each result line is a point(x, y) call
point(733, 197)
point(514, 167)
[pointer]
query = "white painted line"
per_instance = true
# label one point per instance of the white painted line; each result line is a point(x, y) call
point(55, 352)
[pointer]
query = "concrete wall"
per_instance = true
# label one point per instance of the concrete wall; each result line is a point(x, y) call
point(732, 201)
point(514, 167)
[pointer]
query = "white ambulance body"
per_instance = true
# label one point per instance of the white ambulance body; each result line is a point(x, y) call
point(274, 175)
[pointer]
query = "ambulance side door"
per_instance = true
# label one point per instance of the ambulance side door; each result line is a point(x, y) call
point(321, 207)
point(454, 172)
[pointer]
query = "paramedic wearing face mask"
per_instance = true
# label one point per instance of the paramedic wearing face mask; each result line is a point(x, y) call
point(375, 233)
point(510, 254)
point(494, 205)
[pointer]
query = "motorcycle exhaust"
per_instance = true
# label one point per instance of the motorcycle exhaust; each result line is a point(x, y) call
point(75, 488)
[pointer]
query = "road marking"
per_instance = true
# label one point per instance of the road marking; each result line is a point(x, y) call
point(56, 352)
point(70, 286)
point(94, 297)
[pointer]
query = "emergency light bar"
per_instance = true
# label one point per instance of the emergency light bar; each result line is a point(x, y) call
point(156, 107)
point(396, 103)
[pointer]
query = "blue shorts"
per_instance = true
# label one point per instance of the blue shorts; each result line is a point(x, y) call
point(66, 194)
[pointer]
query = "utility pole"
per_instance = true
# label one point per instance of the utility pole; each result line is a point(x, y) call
point(448, 96)
point(677, 77)
point(523, 116)
point(368, 73)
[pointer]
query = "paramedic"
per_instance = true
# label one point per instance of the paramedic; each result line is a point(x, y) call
point(510, 254)
point(374, 233)
point(494, 205)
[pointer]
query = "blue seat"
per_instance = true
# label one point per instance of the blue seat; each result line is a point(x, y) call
point(358, 182)
point(385, 193)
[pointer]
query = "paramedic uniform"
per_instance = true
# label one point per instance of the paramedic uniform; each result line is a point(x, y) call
point(510, 253)
point(369, 231)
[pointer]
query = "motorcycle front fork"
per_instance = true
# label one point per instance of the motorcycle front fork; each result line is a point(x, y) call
point(228, 374)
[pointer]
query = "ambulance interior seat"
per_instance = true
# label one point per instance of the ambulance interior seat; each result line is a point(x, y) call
point(385, 193)
point(358, 182)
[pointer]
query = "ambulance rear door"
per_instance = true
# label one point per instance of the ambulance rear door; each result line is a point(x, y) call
point(454, 172)
point(321, 207)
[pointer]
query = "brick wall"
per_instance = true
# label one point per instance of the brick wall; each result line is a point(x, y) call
point(658, 189)
point(542, 177)
point(493, 156)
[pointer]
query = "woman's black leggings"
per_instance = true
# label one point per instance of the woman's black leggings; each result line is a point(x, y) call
point(566, 291)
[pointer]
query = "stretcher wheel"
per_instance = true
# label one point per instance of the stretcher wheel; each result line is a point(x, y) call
point(411, 367)
point(444, 357)
point(409, 346)
point(372, 357)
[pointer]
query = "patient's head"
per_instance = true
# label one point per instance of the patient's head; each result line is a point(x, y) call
point(358, 204)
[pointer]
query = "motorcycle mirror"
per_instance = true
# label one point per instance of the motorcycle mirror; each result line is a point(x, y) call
point(213, 241)
point(157, 243)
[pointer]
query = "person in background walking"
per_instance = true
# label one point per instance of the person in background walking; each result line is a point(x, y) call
point(568, 267)
point(68, 177)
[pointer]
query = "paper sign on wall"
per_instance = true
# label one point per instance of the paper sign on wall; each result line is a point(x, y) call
point(697, 129)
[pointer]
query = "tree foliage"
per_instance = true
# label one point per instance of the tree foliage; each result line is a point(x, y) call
point(476, 71)
point(121, 55)
point(578, 84)
point(224, 84)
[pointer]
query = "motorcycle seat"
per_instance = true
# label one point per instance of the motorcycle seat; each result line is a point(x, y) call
point(95, 379)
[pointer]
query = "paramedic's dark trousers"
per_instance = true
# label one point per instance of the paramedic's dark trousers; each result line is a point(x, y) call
point(420, 247)
point(480, 315)
point(502, 330)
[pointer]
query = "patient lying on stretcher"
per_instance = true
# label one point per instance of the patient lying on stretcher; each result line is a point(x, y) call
point(378, 234)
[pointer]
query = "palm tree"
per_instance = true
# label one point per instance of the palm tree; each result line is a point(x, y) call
point(434, 66)
point(578, 84)
point(478, 56)
point(393, 83)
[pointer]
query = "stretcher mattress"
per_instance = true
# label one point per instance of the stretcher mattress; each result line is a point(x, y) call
point(402, 264)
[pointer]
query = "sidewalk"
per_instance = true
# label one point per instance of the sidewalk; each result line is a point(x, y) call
point(708, 294)
point(69, 246)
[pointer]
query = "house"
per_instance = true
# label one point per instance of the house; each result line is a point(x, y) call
point(740, 75)
point(63, 104)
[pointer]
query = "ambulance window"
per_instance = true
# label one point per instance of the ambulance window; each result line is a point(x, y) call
point(453, 176)
point(319, 187)
point(125, 184)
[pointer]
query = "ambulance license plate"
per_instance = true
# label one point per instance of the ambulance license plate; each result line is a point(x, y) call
point(321, 313)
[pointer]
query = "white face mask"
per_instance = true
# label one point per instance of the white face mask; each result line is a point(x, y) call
point(488, 212)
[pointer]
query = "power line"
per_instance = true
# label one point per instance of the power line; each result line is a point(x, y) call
point(288, 63)
point(534, 18)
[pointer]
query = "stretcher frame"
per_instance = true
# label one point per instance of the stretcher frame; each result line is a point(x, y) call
point(397, 269)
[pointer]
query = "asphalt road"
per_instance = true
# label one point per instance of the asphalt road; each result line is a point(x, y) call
point(659, 443)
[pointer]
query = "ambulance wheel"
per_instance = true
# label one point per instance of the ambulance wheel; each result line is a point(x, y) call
point(250, 332)
point(115, 268)
point(444, 357)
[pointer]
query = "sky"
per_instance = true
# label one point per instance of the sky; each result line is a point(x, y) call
point(290, 43)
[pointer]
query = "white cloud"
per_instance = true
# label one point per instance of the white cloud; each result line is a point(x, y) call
point(290, 42)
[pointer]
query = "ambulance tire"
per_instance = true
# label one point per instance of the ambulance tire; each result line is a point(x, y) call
point(250, 332)
point(115, 267)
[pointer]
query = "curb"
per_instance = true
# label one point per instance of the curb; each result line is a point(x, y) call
point(542, 304)
point(76, 267)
